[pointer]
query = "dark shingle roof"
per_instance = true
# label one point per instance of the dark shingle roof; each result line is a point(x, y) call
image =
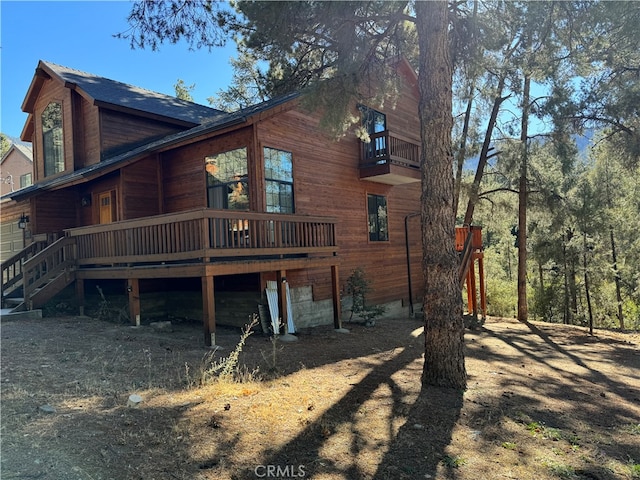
point(111, 92)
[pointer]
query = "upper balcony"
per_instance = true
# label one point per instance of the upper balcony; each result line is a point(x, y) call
point(390, 158)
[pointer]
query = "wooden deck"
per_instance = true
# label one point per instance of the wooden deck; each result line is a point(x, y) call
point(204, 235)
point(202, 243)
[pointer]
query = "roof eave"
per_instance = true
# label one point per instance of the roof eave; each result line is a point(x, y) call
point(34, 89)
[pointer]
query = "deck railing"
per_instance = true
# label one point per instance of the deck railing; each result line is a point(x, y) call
point(390, 147)
point(470, 230)
point(203, 234)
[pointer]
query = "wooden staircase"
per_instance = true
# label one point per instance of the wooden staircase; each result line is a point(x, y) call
point(37, 273)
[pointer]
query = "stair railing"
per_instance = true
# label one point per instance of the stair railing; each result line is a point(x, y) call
point(48, 264)
point(12, 267)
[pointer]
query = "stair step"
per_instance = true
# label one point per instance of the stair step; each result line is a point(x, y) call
point(13, 301)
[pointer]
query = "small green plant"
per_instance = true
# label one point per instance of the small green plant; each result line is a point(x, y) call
point(358, 286)
point(635, 469)
point(560, 470)
point(535, 428)
point(633, 429)
point(574, 440)
point(454, 461)
point(550, 433)
point(226, 369)
point(272, 358)
point(509, 445)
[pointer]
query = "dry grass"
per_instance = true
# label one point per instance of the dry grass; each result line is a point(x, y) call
point(544, 402)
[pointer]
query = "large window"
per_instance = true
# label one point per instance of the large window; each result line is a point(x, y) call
point(374, 122)
point(278, 173)
point(227, 182)
point(52, 139)
point(378, 223)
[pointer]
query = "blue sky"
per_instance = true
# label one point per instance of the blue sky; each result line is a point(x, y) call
point(79, 34)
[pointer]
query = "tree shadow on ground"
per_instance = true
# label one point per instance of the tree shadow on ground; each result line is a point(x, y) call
point(558, 397)
point(430, 423)
point(592, 374)
point(432, 415)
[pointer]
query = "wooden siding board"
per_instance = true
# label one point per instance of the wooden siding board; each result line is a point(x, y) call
point(140, 189)
point(120, 132)
point(55, 211)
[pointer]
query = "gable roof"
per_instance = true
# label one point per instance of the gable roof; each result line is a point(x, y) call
point(115, 95)
point(23, 149)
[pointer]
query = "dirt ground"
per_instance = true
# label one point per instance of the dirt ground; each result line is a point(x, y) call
point(543, 402)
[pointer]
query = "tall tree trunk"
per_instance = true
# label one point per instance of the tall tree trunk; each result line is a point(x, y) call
point(443, 323)
point(566, 310)
point(614, 257)
point(484, 152)
point(586, 282)
point(572, 260)
point(617, 278)
point(541, 295)
point(522, 206)
point(573, 288)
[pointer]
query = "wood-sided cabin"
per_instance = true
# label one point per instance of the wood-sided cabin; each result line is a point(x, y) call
point(144, 188)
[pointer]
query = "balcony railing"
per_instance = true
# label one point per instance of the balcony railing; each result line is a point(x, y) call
point(203, 234)
point(387, 147)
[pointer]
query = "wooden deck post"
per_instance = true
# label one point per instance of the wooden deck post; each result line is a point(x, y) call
point(483, 292)
point(133, 288)
point(282, 299)
point(80, 295)
point(474, 291)
point(335, 293)
point(208, 311)
point(469, 292)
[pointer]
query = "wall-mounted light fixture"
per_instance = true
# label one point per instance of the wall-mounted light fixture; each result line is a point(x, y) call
point(85, 201)
point(22, 223)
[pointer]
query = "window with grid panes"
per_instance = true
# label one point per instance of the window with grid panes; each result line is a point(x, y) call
point(278, 175)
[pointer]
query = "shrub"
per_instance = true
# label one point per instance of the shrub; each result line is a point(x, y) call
point(226, 369)
point(358, 286)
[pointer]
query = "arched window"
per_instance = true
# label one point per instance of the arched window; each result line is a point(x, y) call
point(52, 139)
